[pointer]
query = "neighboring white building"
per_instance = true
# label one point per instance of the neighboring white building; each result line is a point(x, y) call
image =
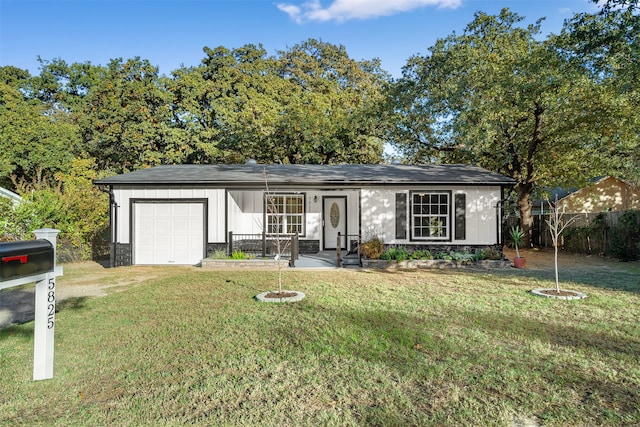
point(178, 214)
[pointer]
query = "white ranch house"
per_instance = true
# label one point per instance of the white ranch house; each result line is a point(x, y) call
point(179, 214)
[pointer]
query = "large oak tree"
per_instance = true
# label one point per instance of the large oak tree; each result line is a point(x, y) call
point(308, 104)
point(500, 97)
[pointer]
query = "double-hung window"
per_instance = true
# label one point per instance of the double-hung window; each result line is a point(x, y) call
point(431, 215)
point(285, 213)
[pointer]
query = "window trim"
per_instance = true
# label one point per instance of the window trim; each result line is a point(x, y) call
point(412, 221)
point(303, 215)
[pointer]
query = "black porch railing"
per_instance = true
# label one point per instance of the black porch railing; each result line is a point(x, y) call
point(352, 255)
point(265, 245)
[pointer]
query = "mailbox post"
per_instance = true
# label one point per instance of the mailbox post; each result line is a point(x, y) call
point(35, 261)
point(43, 333)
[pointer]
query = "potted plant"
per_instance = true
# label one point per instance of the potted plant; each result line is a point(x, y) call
point(517, 237)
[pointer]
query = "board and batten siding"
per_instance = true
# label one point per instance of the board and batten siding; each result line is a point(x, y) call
point(380, 208)
point(215, 206)
point(246, 210)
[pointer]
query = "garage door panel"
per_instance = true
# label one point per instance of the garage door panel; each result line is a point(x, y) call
point(181, 242)
point(146, 209)
point(168, 233)
point(180, 226)
point(146, 225)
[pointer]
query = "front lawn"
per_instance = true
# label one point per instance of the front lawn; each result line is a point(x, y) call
point(399, 348)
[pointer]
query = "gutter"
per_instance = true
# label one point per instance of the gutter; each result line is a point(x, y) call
point(113, 223)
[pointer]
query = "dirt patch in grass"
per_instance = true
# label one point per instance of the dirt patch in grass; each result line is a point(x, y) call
point(80, 281)
point(542, 259)
point(578, 269)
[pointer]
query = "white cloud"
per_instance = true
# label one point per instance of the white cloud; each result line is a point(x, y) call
point(343, 10)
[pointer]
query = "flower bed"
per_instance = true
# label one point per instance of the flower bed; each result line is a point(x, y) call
point(434, 264)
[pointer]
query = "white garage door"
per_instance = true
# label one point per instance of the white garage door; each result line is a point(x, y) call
point(168, 233)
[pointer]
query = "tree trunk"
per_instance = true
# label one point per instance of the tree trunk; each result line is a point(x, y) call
point(526, 216)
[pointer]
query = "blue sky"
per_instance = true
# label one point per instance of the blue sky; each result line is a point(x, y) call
point(171, 33)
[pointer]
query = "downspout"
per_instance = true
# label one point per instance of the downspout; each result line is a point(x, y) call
point(113, 224)
point(500, 220)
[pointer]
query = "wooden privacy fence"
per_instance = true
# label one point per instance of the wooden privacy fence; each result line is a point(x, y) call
point(590, 233)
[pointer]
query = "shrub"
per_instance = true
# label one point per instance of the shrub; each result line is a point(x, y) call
point(401, 253)
point(491, 253)
point(625, 236)
point(463, 256)
point(373, 248)
point(74, 206)
point(395, 253)
point(218, 254)
point(389, 254)
point(239, 255)
point(421, 254)
point(443, 255)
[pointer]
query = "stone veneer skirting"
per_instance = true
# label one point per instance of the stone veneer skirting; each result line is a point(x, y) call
point(122, 256)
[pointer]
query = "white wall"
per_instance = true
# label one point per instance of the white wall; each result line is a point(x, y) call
point(246, 211)
point(378, 213)
point(379, 210)
point(216, 206)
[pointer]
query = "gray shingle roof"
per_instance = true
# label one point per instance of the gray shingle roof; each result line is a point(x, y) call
point(247, 175)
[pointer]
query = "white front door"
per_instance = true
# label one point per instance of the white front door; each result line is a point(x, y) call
point(334, 219)
point(168, 233)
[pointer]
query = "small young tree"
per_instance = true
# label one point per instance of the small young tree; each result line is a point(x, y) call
point(273, 227)
point(557, 225)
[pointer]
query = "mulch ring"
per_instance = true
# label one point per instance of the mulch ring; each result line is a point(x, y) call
point(562, 294)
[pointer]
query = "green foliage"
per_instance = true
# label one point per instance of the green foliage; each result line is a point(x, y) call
point(491, 253)
point(501, 97)
point(126, 119)
point(464, 256)
point(235, 255)
point(35, 141)
point(625, 237)
point(239, 255)
point(421, 254)
point(517, 236)
point(310, 104)
point(395, 253)
point(373, 248)
point(443, 255)
point(218, 254)
point(607, 46)
point(75, 207)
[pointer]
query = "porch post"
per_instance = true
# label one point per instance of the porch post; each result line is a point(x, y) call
point(338, 251)
point(294, 249)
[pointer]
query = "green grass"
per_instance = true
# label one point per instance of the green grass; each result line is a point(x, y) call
point(364, 348)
